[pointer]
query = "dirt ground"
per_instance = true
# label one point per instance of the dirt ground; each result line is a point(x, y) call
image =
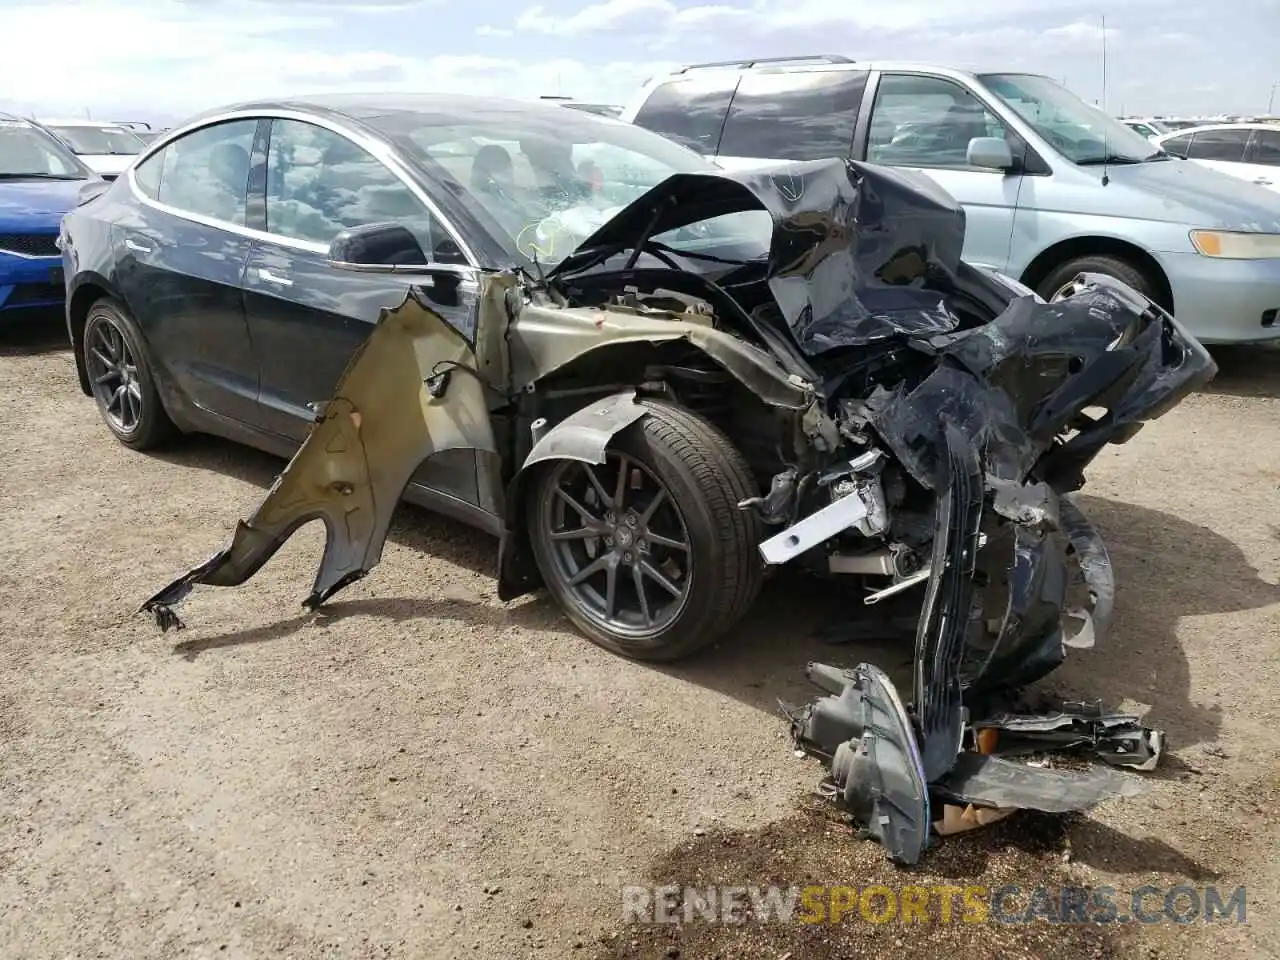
point(423, 771)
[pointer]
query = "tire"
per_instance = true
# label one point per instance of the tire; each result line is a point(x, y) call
point(125, 393)
point(1122, 270)
point(704, 477)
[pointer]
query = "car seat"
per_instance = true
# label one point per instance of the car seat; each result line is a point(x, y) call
point(491, 169)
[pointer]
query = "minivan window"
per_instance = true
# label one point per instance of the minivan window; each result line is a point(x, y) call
point(794, 116)
point(1266, 147)
point(206, 172)
point(1081, 133)
point(924, 121)
point(1219, 145)
point(690, 110)
point(1179, 145)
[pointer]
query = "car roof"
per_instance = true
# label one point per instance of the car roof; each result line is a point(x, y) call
point(78, 122)
point(1225, 126)
point(819, 64)
point(370, 106)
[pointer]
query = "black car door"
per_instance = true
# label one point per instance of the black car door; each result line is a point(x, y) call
point(180, 256)
point(306, 317)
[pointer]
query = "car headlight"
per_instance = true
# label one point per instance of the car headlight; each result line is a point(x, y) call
point(1233, 245)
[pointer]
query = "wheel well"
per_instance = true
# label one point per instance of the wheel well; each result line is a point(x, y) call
point(1135, 256)
point(77, 314)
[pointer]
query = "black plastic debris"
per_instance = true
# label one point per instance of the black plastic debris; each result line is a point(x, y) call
point(870, 742)
point(862, 731)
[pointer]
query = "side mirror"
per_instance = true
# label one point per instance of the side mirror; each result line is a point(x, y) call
point(991, 153)
point(377, 248)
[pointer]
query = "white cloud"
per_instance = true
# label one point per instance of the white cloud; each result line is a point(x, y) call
point(174, 57)
point(766, 17)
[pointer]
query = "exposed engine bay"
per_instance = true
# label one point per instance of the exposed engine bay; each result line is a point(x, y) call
point(912, 422)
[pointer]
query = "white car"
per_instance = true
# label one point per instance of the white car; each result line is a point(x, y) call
point(1250, 151)
point(1153, 130)
point(106, 148)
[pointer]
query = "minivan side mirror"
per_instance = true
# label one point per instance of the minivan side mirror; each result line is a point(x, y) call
point(377, 248)
point(991, 153)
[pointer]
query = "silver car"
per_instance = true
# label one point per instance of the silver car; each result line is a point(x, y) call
point(1051, 186)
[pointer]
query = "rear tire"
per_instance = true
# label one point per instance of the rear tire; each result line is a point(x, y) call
point(702, 478)
point(1121, 270)
point(121, 378)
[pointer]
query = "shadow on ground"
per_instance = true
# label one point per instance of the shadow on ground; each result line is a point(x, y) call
point(28, 333)
point(1252, 370)
point(814, 847)
point(1160, 581)
point(763, 660)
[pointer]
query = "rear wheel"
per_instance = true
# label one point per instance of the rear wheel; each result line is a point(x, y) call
point(648, 553)
point(121, 379)
point(1060, 277)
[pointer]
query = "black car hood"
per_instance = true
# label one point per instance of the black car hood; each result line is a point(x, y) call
point(858, 253)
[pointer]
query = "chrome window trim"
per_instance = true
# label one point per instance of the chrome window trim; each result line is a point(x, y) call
point(381, 151)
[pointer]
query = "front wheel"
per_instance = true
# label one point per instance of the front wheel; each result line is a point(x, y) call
point(1061, 277)
point(648, 553)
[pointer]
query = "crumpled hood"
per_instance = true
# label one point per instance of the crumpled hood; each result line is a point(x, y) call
point(36, 204)
point(858, 252)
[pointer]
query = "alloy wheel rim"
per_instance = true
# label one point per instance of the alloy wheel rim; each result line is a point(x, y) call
point(113, 375)
point(619, 545)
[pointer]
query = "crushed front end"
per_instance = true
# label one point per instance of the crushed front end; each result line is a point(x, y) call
point(961, 453)
point(968, 410)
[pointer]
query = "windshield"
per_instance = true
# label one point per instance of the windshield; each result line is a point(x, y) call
point(1081, 133)
point(549, 177)
point(26, 151)
point(117, 141)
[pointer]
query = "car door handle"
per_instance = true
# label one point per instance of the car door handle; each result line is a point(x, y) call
point(267, 276)
point(138, 247)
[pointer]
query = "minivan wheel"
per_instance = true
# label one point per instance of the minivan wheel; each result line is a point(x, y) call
point(1060, 278)
point(121, 379)
point(648, 553)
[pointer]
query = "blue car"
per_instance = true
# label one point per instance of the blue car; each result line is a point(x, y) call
point(40, 180)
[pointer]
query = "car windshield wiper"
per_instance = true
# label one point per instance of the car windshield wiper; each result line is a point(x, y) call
point(1109, 158)
point(38, 176)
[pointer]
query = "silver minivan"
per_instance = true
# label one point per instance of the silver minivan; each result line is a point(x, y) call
point(1050, 185)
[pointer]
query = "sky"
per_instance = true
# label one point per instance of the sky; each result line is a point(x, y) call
point(161, 60)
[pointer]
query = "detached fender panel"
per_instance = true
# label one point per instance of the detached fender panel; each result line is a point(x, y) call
point(583, 435)
point(351, 472)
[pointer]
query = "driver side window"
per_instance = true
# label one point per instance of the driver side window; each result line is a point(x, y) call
point(319, 183)
point(927, 122)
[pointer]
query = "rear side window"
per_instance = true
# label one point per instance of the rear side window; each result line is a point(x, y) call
point(1219, 145)
point(207, 171)
point(794, 116)
point(689, 111)
point(147, 175)
point(1266, 147)
point(1177, 146)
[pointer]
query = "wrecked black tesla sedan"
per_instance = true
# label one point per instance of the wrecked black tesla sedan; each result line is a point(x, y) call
point(664, 424)
point(856, 398)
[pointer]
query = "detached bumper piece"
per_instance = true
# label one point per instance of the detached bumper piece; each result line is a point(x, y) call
point(905, 771)
point(871, 743)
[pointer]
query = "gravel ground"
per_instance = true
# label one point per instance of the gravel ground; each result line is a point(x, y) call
point(423, 771)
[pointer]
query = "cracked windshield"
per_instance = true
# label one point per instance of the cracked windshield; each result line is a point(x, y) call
point(548, 186)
